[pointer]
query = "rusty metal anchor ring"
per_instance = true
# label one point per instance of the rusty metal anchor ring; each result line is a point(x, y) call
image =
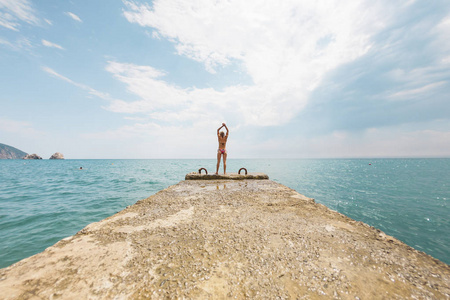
point(200, 171)
point(241, 170)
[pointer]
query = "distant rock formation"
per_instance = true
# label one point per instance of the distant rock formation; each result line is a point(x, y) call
point(32, 156)
point(57, 155)
point(8, 152)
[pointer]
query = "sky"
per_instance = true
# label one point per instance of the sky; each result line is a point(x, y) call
point(291, 79)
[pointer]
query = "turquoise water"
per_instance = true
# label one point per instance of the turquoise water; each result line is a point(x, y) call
point(44, 201)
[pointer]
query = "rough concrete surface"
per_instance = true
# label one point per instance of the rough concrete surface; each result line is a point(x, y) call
point(227, 239)
point(228, 176)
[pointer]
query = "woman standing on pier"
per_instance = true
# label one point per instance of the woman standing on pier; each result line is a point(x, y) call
point(222, 148)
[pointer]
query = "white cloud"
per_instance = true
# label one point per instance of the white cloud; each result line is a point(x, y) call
point(286, 48)
point(73, 16)
point(397, 141)
point(145, 82)
point(172, 141)
point(443, 29)
point(426, 71)
point(199, 141)
point(12, 12)
point(393, 141)
point(155, 35)
point(162, 101)
point(87, 88)
point(271, 39)
point(19, 44)
point(51, 45)
point(417, 92)
point(6, 43)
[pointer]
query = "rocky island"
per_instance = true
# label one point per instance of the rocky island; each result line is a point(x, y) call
point(57, 155)
point(8, 152)
point(32, 156)
point(228, 238)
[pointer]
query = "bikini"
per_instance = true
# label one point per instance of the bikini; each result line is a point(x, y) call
point(223, 151)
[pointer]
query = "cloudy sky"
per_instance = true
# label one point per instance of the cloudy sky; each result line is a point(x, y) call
point(291, 78)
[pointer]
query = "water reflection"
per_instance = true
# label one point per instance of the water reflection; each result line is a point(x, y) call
point(219, 188)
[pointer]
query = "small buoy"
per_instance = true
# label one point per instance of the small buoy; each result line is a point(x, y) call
point(370, 164)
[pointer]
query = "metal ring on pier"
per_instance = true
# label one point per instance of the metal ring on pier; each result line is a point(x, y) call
point(241, 170)
point(200, 171)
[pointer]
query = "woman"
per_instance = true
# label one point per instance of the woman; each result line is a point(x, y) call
point(222, 151)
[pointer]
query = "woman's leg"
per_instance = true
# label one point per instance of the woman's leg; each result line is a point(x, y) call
point(225, 162)
point(218, 161)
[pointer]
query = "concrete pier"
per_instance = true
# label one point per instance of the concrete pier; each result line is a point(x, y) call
point(219, 239)
point(228, 176)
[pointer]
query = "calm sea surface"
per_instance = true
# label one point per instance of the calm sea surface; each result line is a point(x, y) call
point(43, 201)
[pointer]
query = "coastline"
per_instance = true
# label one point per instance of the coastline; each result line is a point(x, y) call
point(226, 238)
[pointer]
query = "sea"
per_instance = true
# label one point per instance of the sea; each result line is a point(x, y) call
point(44, 201)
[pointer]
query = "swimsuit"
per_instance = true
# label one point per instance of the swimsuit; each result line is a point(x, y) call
point(223, 151)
